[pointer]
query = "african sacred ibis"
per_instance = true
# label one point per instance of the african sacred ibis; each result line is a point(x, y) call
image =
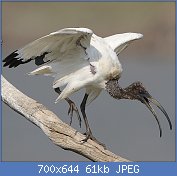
point(77, 58)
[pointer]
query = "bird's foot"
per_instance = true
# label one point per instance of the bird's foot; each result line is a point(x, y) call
point(89, 135)
point(73, 108)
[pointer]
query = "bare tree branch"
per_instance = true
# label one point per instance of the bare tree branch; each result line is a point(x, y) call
point(59, 132)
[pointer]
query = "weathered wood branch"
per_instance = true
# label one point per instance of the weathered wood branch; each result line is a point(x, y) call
point(59, 132)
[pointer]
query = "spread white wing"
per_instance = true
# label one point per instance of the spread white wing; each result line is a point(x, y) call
point(119, 42)
point(52, 47)
point(59, 54)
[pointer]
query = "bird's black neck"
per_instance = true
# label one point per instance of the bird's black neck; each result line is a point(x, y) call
point(113, 88)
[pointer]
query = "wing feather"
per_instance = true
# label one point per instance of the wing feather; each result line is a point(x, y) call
point(55, 44)
point(119, 42)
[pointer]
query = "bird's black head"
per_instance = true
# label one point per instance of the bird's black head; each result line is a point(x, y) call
point(136, 91)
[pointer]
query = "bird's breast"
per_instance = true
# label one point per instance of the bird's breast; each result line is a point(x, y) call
point(110, 70)
point(113, 73)
point(105, 73)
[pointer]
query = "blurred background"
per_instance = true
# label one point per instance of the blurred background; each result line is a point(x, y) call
point(126, 127)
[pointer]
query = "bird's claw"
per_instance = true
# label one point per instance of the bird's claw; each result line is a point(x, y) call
point(72, 108)
point(89, 135)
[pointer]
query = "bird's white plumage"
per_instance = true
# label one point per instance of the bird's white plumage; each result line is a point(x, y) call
point(119, 42)
point(78, 59)
point(58, 44)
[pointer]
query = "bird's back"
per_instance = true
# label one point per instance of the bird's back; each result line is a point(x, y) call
point(107, 64)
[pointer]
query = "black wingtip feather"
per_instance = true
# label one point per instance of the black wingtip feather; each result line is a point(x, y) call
point(39, 59)
point(10, 58)
point(12, 61)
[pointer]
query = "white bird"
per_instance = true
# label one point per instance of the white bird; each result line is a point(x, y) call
point(77, 58)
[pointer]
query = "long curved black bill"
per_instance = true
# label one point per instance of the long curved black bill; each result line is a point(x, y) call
point(146, 99)
point(155, 102)
point(146, 102)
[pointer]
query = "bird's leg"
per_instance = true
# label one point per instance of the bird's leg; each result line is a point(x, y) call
point(72, 107)
point(88, 132)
